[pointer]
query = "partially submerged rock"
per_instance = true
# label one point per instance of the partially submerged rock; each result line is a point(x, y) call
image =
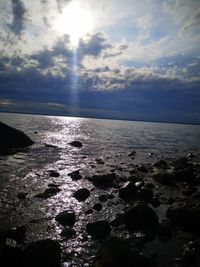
point(75, 175)
point(104, 181)
point(43, 253)
point(66, 217)
point(99, 229)
point(49, 192)
point(82, 194)
point(11, 138)
point(76, 144)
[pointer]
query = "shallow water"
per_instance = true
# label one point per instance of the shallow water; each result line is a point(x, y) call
point(109, 140)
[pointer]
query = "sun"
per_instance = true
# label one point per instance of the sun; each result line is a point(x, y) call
point(74, 21)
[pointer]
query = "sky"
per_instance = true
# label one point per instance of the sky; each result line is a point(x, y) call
point(130, 59)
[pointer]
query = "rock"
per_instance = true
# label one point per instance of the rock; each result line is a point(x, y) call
point(68, 233)
point(145, 194)
point(128, 191)
point(140, 217)
point(54, 173)
point(180, 163)
point(17, 233)
point(43, 253)
point(165, 228)
point(66, 217)
point(185, 215)
point(132, 154)
point(90, 211)
point(115, 252)
point(104, 181)
point(75, 175)
point(188, 190)
point(49, 192)
point(191, 253)
point(160, 164)
point(155, 202)
point(142, 168)
point(76, 144)
point(99, 229)
point(117, 220)
point(164, 178)
point(11, 256)
point(97, 207)
point(82, 194)
point(99, 161)
point(12, 138)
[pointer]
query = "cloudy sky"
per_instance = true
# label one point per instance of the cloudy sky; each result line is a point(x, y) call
point(129, 59)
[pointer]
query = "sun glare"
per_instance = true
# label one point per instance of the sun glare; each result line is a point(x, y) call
point(74, 21)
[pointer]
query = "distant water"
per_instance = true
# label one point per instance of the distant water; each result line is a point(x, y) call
point(108, 140)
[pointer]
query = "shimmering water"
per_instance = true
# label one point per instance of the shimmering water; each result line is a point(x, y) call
point(108, 140)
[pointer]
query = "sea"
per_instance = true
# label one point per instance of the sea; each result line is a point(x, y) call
point(106, 148)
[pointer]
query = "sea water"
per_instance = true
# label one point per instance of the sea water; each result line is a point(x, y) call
point(106, 145)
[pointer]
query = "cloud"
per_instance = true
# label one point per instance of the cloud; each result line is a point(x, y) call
point(19, 19)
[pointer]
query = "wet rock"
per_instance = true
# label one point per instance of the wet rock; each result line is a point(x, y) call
point(144, 260)
point(53, 185)
point(191, 253)
point(66, 218)
point(90, 211)
point(117, 220)
point(164, 178)
point(142, 168)
point(132, 154)
point(165, 228)
point(82, 194)
point(97, 207)
point(140, 217)
point(155, 202)
point(115, 252)
point(170, 200)
point(53, 173)
point(128, 191)
point(75, 175)
point(188, 190)
point(145, 194)
point(11, 256)
point(76, 144)
point(12, 138)
point(43, 253)
point(186, 174)
point(22, 195)
point(180, 163)
point(49, 192)
point(185, 216)
point(99, 229)
point(160, 164)
point(49, 145)
point(104, 181)
point(68, 233)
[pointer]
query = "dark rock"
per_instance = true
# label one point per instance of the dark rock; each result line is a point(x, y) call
point(49, 145)
point(82, 194)
point(188, 190)
point(90, 211)
point(117, 220)
point(191, 156)
point(76, 144)
point(155, 202)
point(145, 194)
point(186, 174)
point(132, 154)
point(142, 168)
point(143, 260)
point(66, 217)
point(128, 192)
point(164, 178)
point(139, 184)
point(170, 200)
point(75, 175)
point(43, 253)
point(49, 192)
point(191, 253)
point(11, 138)
point(160, 164)
point(54, 173)
point(185, 216)
point(140, 217)
point(22, 195)
point(68, 233)
point(104, 181)
point(99, 229)
point(180, 163)
point(115, 252)
point(11, 256)
point(165, 228)
point(53, 185)
point(97, 207)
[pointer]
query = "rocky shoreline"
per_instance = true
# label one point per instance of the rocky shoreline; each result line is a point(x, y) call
point(144, 192)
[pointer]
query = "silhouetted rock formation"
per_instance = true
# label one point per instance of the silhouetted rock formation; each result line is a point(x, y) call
point(11, 138)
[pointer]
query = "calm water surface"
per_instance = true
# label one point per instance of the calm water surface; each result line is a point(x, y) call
point(108, 140)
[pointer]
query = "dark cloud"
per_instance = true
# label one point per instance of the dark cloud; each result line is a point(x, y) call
point(19, 12)
point(94, 45)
